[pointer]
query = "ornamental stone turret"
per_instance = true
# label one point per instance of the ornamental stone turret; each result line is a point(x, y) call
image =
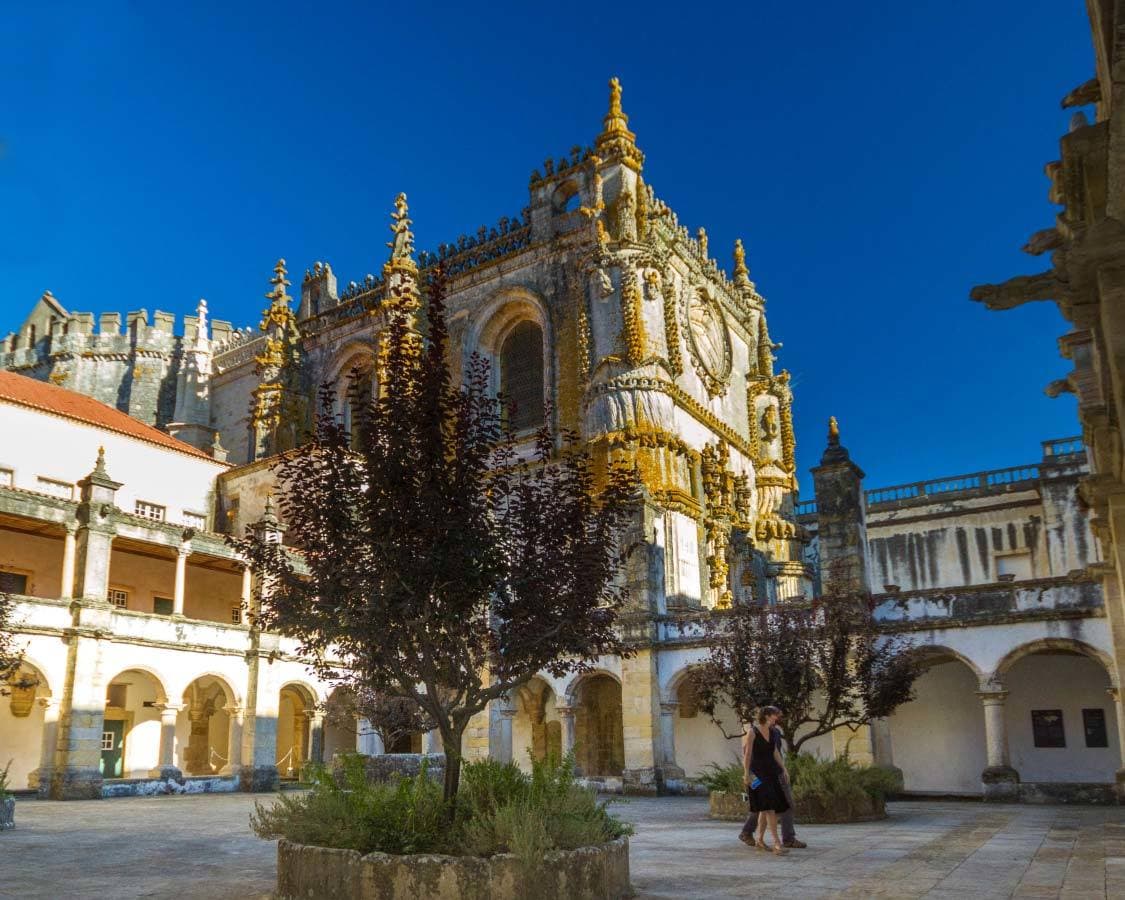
point(279, 405)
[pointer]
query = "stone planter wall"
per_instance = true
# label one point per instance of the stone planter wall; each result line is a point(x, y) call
point(731, 808)
point(588, 873)
point(408, 765)
point(7, 813)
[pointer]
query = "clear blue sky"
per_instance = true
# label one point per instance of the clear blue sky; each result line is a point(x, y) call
point(878, 159)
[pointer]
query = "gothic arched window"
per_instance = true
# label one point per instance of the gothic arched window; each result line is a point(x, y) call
point(521, 375)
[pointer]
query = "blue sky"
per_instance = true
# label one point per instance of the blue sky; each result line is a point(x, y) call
point(877, 158)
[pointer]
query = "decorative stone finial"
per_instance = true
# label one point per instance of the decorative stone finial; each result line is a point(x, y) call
point(833, 431)
point(702, 236)
point(201, 333)
point(402, 246)
point(616, 139)
point(741, 273)
point(269, 515)
point(99, 466)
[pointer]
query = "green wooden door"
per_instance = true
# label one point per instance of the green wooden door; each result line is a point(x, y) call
point(113, 749)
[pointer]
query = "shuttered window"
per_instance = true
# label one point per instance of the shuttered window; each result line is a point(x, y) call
point(521, 375)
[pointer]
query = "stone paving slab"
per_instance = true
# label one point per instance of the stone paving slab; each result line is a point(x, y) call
point(202, 847)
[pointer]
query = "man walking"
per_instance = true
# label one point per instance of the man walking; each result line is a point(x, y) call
point(788, 831)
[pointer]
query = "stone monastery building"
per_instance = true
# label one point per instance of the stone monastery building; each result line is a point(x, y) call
point(126, 455)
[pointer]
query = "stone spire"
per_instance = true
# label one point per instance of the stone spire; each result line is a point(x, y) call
point(277, 412)
point(841, 514)
point(835, 452)
point(616, 140)
point(741, 272)
point(400, 272)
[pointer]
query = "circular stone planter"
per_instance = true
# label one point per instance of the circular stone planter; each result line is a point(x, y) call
point(600, 872)
point(731, 808)
point(7, 813)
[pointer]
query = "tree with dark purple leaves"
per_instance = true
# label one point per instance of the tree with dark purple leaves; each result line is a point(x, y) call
point(826, 664)
point(443, 559)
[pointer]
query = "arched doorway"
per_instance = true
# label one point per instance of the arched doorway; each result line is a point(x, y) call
point(131, 725)
point(23, 717)
point(599, 745)
point(698, 741)
point(294, 716)
point(536, 730)
point(938, 738)
point(204, 725)
point(1061, 722)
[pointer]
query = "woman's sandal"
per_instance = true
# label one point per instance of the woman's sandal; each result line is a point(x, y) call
point(778, 850)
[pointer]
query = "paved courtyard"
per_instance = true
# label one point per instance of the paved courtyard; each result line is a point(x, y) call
point(201, 847)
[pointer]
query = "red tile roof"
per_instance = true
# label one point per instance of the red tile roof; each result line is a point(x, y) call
point(45, 397)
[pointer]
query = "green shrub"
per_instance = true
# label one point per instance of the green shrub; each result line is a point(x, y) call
point(835, 783)
point(500, 809)
point(4, 795)
point(722, 778)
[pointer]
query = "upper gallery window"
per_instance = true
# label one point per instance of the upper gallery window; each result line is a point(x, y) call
point(521, 375)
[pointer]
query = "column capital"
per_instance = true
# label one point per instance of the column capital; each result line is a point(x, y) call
point(184, 550)
point(566, 711)
point(1114, 693)
point(994, 697)
point(669, 708)
point(507, 712)
point(71, 526)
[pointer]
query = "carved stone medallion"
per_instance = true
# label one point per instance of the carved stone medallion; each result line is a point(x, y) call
point(709, 341)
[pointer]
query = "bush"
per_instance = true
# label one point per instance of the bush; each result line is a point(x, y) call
point(833, 784)
point(500, 809)
point(4, 795)
point(722, 778)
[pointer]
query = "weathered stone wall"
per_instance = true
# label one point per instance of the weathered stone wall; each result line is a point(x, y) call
point(588, 873)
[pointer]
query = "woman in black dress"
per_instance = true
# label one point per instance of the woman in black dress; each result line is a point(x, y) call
point(767, 798)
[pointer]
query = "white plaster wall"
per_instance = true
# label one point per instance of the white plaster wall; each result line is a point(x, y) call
point(699, 741)
point(938, 738)
point(1070, 683)
point(66, 450)
point(21, 737)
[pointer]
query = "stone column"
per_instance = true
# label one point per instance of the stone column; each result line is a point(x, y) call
point(1119, 710)
point(258, 770)
point(166, 762)
point(431, 742)
point(76, 774)
point(507, 714)
point(300, 742)
point(246, 596)
point(94, 536)
point(566, 720)
point(181, 576)
point(316, 736)
point(1000, 781)
point(670, 772)
point(234, 741)
point(640, 723)
point(70, 548)
point(50, 743)
point(369, 742)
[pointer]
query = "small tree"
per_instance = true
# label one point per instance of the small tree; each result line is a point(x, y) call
point(826, 664)
point(11, 654)
point(441, 566)
point(392, 718)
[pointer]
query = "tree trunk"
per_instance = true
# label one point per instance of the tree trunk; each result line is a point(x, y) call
point(452, 747)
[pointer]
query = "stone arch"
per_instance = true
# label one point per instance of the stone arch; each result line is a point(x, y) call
point(936, 654)
point(131, 727)
point(1059, 720)
point(566, 197)
point(571, 693)
point(498, 318)
point(24, 716)
point(297, 702)
point(599, 746)
point(354, 355)
point(536, 727)
point(944, 693)
point(1057, 645)
point(204, 725)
